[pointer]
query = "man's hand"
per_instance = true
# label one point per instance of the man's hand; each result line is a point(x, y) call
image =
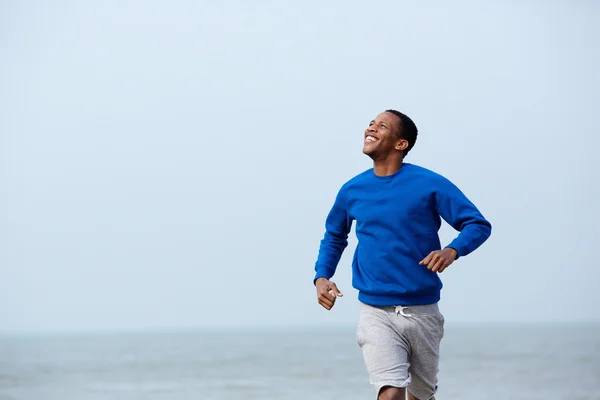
point(327, 292)
point(439, 260)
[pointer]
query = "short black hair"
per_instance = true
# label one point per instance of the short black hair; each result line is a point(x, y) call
point(408, 130)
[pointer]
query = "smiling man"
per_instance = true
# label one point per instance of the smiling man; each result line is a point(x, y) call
point(398, 209)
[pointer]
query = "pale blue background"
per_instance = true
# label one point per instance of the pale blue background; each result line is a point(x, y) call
point(170, 164)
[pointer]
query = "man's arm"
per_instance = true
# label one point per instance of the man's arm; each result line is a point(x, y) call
point(335, 241)
point(458, 211)
point(333, 244)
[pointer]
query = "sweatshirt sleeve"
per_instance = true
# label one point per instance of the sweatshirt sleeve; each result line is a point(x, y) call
point(458, 211)
point(335, 241)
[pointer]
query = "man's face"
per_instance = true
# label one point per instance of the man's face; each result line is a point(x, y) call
point(381, 137)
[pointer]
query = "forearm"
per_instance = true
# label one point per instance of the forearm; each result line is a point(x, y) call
point(471, 237)
point(330, 253)
point(456, 209)
point(335, 240)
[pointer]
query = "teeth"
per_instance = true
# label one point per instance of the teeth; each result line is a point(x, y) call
point(370, 139)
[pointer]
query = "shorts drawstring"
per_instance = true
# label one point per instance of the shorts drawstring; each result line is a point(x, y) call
point(400, 310)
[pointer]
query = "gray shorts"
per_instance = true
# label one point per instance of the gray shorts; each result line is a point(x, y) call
point(401, 346)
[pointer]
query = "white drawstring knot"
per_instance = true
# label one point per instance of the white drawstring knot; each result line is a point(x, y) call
point(400, 310)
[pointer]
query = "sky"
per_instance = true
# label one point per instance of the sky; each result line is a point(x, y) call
point(168, 165)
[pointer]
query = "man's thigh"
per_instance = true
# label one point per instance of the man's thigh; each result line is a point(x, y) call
point(386, 351)
point(425, 357)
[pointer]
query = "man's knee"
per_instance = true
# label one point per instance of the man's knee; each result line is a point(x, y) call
point(392, 393)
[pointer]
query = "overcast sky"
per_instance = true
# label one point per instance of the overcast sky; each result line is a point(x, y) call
point(171, 164)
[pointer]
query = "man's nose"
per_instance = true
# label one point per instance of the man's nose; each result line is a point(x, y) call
point(371, 128)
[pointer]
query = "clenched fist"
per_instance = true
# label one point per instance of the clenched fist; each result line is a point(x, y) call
point(327, 292)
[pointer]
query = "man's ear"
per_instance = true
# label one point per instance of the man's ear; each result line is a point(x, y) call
point(401, 144)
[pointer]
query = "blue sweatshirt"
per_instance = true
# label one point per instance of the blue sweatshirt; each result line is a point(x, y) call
point(397, 222)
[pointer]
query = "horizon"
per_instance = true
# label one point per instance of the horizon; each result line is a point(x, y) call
point(298, 328)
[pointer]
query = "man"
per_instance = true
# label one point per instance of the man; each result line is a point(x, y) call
point(398, 209)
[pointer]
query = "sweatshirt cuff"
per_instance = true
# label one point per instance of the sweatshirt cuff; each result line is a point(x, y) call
point(457, 247)
point(322, 273)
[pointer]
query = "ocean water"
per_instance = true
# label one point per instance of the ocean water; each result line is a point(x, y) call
point(542, 362)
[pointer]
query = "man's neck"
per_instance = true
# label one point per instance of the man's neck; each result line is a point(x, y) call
point(387, 167)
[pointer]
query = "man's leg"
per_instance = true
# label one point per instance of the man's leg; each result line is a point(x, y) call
point(392, 393)
point(385, 351)
point(425, 355)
